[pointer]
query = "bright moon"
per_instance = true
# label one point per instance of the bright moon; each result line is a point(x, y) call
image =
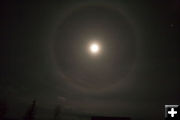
point(94, 48)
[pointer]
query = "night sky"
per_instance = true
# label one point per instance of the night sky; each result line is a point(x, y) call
point(45, 56)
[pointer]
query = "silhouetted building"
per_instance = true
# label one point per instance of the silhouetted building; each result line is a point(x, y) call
point(109, 118)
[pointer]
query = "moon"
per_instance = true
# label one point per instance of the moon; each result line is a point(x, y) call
point(94, 48)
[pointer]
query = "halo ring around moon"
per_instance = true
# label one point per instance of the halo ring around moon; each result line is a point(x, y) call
point(66, 78)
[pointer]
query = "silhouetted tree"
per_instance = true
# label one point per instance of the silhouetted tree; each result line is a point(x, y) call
point(57, 112)
point(30, 114)
point(3, 110)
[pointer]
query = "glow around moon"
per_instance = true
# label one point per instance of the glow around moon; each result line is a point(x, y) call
point(94, 48)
